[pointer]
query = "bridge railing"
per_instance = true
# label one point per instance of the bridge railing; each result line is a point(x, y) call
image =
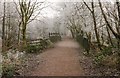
point(54, 37)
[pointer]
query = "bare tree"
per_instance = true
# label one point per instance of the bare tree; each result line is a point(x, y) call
point(26, 11)
point(107, 23)
point(94, 20)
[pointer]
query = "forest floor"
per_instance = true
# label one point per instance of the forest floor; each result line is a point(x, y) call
point(64, 59)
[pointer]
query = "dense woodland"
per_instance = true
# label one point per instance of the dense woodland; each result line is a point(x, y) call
point(94, 25)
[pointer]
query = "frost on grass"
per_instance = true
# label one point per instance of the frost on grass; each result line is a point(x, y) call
point(11, 62)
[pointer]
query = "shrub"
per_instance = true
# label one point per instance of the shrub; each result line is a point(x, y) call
point(8, 70)
point(107, 51)
point(31, 49)
point(11, 62)
point(100, 57)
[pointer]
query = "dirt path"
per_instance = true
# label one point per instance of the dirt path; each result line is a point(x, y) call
point(62, 60)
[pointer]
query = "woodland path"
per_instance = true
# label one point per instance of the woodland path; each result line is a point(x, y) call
point(62, 60)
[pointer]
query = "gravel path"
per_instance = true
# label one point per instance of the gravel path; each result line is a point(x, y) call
point(62, 60)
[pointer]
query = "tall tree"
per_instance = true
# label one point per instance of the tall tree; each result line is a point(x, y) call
point(26, 10)
point(94, 21)
point(3, 27)
point(118, 8)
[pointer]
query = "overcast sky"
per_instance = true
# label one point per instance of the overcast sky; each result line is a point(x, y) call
point(51, 11)
point(63, 0)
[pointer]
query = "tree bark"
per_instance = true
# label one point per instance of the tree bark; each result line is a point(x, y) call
point(3, 30)
point(95, 26)
point(118, 8)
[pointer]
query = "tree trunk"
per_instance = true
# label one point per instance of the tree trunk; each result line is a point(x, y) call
point(109, 36)
point(95, 26)
point(3, 30)
point(118, 8)
point(24, 34)
point(118, 27)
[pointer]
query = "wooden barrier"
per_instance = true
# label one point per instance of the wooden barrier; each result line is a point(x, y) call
point(36, 41)
point(54, 37)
